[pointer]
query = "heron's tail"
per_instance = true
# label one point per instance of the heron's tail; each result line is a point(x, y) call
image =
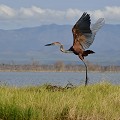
point(85, 53)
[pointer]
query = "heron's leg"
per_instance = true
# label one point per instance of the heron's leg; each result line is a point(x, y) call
point(86, 81)
point(82, 58)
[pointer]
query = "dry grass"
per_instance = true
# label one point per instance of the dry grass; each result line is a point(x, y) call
point(94, 102)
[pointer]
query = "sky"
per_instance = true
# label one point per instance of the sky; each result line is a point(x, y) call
point(15, 14)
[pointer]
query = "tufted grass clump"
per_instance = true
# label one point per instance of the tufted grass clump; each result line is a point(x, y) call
point(93, 102)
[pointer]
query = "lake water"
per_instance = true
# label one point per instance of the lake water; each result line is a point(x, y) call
point(56, 78)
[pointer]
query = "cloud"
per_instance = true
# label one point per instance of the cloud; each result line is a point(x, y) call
point(6, 12)
point(36, 16)
point(111, 14)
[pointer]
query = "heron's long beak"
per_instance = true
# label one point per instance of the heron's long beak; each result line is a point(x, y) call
point(49, 44)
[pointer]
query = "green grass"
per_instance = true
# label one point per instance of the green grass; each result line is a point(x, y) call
point(94, 102)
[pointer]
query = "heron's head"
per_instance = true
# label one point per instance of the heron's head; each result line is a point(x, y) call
point(54, 43)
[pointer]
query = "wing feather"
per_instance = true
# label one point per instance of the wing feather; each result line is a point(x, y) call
point(82, 32)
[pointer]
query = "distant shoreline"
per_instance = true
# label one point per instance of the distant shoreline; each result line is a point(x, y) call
point(57, 67)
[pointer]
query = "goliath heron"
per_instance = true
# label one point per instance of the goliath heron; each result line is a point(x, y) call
point(83, 37)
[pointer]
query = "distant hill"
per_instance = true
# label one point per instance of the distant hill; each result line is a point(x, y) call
point(27, 44)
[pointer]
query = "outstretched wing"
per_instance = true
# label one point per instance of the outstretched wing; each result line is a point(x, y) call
point(95, 27)
point(82, 34)
point(81, 31)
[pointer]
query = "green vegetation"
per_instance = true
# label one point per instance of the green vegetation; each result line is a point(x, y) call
point(94, 102)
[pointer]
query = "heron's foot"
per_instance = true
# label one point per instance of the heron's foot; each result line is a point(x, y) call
point(86, 81)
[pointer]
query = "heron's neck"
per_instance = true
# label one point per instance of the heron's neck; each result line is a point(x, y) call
point(63, 50)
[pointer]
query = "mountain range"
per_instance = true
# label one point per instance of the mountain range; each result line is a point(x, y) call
point(27, 44)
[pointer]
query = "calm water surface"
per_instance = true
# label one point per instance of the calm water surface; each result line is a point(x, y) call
point(56, 78)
